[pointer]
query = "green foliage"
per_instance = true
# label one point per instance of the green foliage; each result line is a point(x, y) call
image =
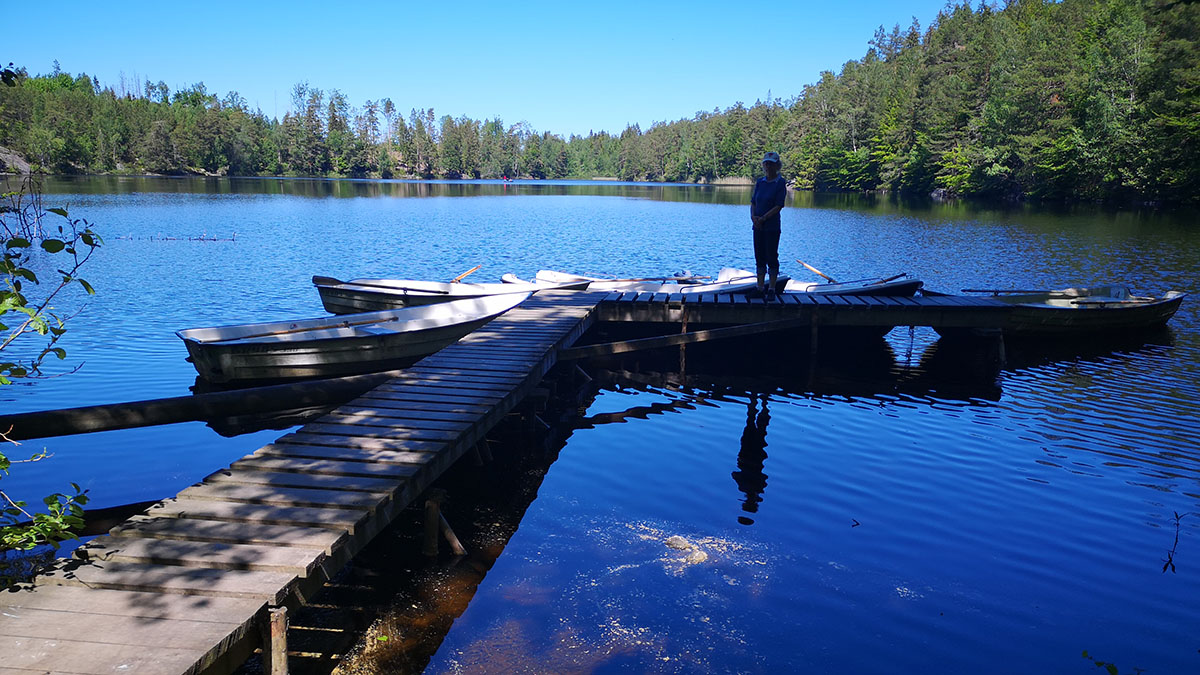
point(34, 333)
point(1091, 99)
point(22, 222)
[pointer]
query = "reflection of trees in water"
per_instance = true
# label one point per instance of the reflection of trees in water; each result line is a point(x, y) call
point(749, 477)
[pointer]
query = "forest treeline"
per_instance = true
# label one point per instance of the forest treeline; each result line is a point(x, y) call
point(1079, 99)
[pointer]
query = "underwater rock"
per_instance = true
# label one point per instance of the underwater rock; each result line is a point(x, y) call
point(678, 542)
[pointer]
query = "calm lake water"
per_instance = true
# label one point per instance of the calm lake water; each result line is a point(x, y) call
point(892, 514)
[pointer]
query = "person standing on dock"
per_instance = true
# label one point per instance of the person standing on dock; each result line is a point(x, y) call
point(765, 204)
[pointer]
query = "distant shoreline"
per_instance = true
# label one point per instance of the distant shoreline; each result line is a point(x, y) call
point(729, 181)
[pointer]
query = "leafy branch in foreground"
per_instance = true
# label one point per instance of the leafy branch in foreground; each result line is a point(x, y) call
point(21, 530)
point(32, 246)
point(27, 242)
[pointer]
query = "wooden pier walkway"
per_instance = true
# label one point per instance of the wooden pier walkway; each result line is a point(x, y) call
point(193, 584)
point(945, 311)
point(189, 586)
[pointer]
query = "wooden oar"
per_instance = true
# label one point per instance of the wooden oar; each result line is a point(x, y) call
point(998, 291)
point(464, 275)
point(818, 272)
point(330, 281)
point(664, 279)
point(884, 281)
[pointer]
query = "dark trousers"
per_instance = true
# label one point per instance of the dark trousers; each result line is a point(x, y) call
point(766, 250)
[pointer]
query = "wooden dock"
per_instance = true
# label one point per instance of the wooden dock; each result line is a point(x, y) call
point(948, 311)
point(190, 586)
point(198, 580)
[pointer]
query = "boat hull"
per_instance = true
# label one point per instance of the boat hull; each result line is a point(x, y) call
point(372, 296)
point(347, 345)
point(320, 358)
point(1099, 319)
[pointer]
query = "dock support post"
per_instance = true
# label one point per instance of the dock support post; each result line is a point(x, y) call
point(456, 546)
point(683, 348)
point(275, 650)
point(433, 516)
point(812, 340)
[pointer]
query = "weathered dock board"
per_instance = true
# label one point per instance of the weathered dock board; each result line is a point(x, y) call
point(185, 587)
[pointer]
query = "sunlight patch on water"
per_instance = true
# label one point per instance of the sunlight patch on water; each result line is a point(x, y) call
point(638, 604)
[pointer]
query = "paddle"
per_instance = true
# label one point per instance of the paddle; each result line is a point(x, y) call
point(818, 272)
point(884, 281)
point(464, 275)
point(330, 281)
point(998, 291)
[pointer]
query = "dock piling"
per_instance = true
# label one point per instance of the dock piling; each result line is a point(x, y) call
point(275, 650)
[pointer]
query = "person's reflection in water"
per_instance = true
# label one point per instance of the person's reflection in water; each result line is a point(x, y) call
point(749, 477)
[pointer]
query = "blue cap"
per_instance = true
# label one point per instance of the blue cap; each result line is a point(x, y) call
point(772, 157)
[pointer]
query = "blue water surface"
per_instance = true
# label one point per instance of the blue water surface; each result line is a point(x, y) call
point(908, 521)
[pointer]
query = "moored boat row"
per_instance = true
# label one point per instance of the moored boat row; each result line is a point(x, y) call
point(386, 323)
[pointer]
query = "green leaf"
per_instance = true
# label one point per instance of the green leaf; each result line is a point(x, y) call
point(86, 238)
point(59, 352)
point(18, 242)
point(60, 211)
point(53, 245)
point(1112, 669)
point(87, 287)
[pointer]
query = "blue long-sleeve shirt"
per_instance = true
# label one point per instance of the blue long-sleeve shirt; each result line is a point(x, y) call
point(767, 195)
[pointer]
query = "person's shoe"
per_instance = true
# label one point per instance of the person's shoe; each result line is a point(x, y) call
point(769, 295)
point(754, 293)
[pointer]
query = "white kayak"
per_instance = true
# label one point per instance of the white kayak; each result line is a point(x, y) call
point(339, 345)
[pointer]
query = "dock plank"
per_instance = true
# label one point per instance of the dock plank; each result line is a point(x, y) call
point(278, 496)
point(296, 560)
point(412, 457)
point(309, 438)
point(235, 512)
point(397, 421)
point(325, 466)
point(271, 587)
point(408, 413)
point(92, 658)
point(107, 629)
point(192, 529)
point(70, 599)
point(249, 476)
point(416, 430)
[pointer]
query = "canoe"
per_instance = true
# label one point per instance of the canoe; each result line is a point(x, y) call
point(1092, 311)
point(374, 295)
point(339, 345)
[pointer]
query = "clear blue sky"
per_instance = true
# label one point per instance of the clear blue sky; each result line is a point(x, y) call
point(563, 66)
